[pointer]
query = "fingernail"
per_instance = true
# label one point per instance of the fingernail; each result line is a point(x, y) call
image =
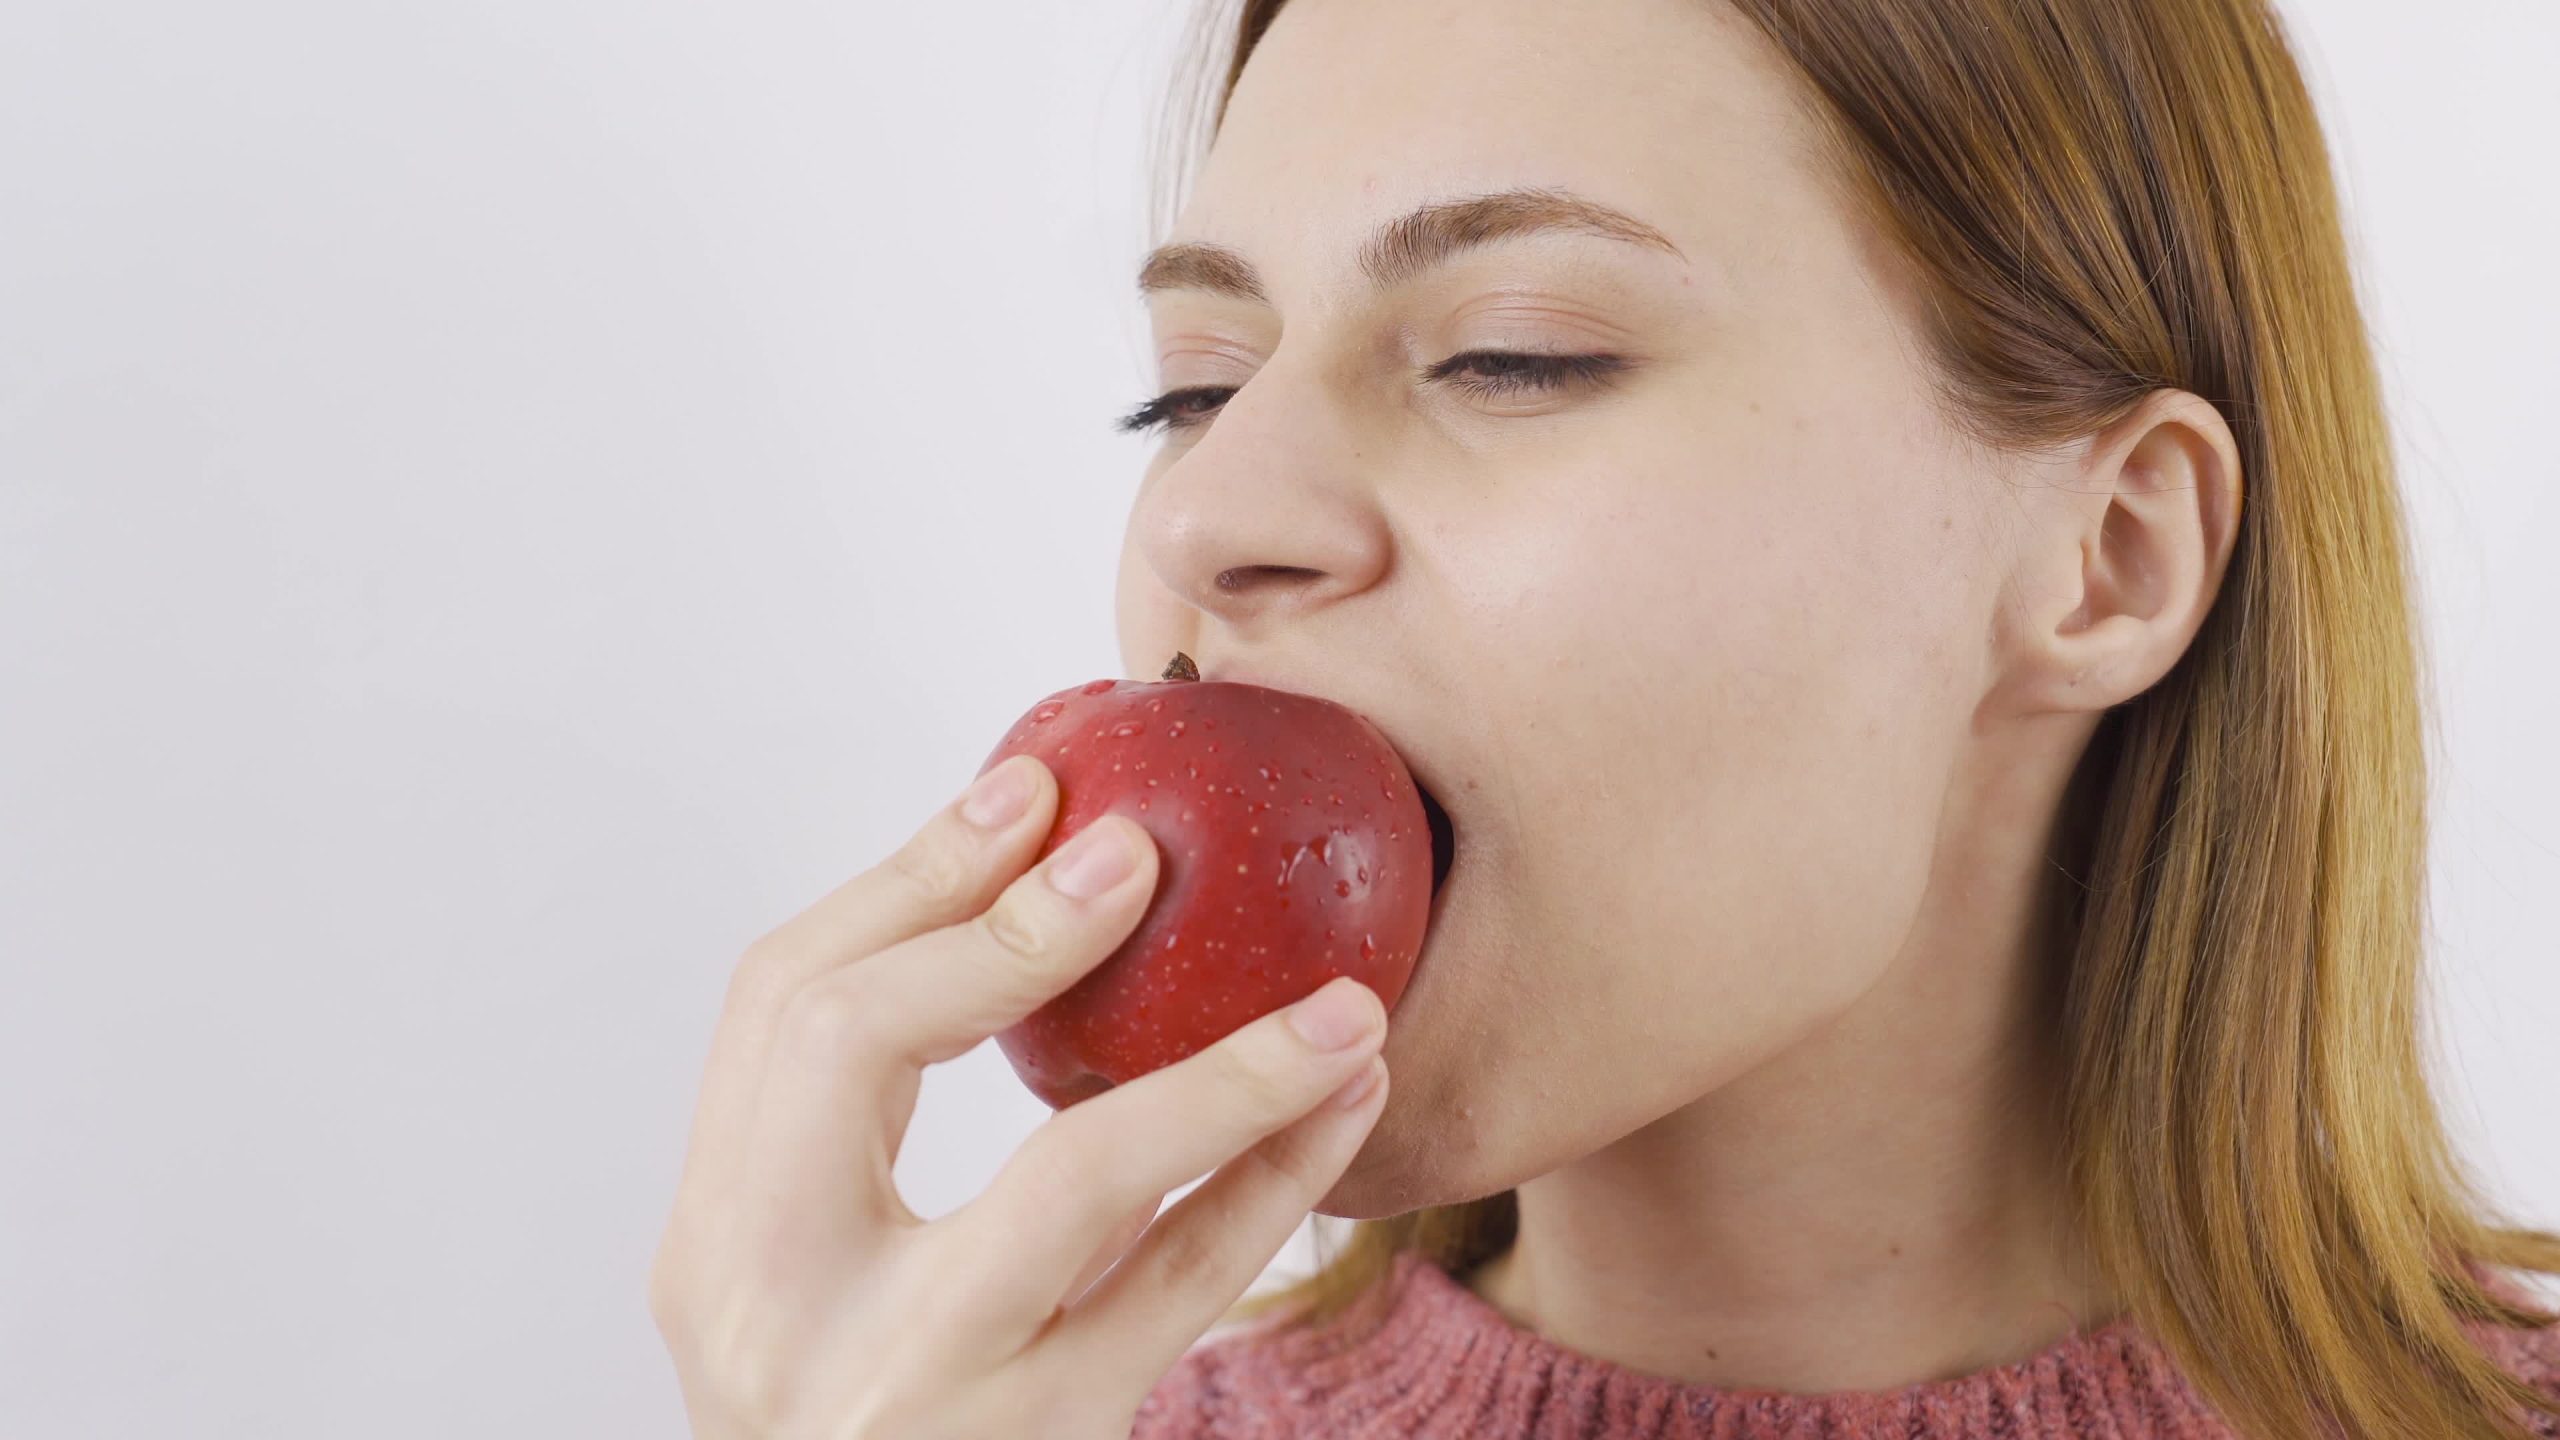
point(1333, 1017)
point(1092, 862)
point(999, 796)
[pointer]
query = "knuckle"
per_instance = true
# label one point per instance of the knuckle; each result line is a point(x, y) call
point(1270, 1081)
point(1191, 1258)
point(666, 1292)
point(762, 969)
point(832, 1017)
point(931, 868)
point(1290, 1164)
point(1055, 1161)
point(749, 1373)
point(1022, 925)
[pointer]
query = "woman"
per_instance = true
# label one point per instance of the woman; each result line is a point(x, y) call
point(1875, 518)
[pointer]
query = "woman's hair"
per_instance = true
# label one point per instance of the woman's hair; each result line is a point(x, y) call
point(2098, 199)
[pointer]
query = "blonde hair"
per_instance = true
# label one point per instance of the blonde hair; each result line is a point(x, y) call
point(2100, 198)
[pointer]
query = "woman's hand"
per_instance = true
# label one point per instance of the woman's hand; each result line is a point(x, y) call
point(798, 1294)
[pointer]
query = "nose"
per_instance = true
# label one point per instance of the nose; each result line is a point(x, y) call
point(1266, 512)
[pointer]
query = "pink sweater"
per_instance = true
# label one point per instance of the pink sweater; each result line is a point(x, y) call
point(1446, 1364)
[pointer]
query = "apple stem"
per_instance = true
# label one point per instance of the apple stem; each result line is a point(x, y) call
point(1180, 669)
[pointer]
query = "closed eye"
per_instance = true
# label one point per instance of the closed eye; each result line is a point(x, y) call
point(1482, 373)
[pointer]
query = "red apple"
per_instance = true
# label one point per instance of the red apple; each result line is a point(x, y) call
point(1292, 847)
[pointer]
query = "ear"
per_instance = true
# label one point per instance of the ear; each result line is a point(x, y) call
point(2121, 551)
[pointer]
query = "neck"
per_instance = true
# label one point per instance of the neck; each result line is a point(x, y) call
point(1881, 1204)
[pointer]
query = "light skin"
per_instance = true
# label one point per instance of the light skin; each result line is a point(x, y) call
point(1752, 687)
point(1752, 690)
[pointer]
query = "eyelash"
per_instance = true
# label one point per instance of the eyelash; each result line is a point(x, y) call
point(1521, 371)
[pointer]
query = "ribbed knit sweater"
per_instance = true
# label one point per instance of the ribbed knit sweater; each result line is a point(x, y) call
point(1443, 1364)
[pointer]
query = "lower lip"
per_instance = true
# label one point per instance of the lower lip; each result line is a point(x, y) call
point(1436, 914)
point(1435, 819)
point(1440, 901)
point(1425, 959)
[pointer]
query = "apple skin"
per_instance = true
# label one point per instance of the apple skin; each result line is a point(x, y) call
point(1291, 848)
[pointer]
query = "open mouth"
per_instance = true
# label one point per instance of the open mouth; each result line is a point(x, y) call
point(1444, 837)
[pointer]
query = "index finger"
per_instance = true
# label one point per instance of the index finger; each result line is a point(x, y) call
point(945, 873)
point(832, 1112)
point(950, 869)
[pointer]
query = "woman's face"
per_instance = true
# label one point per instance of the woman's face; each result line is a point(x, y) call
point(1689, 647)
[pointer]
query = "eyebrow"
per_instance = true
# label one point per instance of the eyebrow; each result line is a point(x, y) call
point(1410, 244)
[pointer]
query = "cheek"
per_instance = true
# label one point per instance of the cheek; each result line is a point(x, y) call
point(1752, 633)
point(1741, 722)
point(1724, 690)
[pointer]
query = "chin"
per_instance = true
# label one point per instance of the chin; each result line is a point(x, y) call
point(1350, 1199)
point(1374, 1185)
point(1401, 1168)
point(1358, 1197)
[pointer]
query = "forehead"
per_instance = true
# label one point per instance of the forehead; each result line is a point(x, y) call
point(1351, 112)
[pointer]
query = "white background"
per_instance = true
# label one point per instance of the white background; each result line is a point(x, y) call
point(500, 503)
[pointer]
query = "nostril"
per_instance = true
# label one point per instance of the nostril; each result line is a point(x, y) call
point(1249, 576)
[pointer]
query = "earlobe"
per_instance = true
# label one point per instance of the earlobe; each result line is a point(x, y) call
point(2133, 556)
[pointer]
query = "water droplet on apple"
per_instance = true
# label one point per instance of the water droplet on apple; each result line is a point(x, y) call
point(1097, 687)
point(1128, 728)
point(1342, 887)
point(1047, 713)
point(1368, 947)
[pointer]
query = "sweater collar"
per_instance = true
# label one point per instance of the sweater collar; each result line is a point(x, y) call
point(1427, 1351)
